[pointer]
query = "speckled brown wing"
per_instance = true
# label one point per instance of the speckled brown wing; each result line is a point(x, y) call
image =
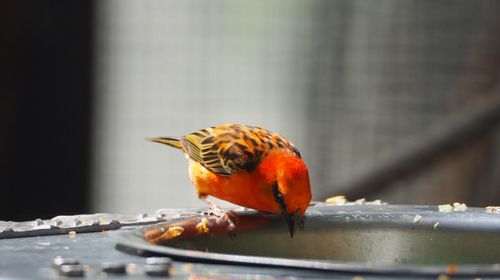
point(230, 148)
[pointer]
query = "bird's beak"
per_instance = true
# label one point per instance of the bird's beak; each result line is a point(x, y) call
point(292, 220)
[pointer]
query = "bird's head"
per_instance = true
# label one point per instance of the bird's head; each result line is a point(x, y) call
point(291, 188)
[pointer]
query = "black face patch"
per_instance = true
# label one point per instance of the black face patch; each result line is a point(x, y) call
point(278, 197)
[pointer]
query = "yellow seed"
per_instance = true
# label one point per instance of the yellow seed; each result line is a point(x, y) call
point(202, 227)
point(445, 208)
point(336, 200)
point(174, 232)
point(443, 277)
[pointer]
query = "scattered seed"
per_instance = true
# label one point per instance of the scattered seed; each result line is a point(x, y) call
point(417, 219)
point(493, 209)
point(443, 277)
point(202, 227)
point(174, 232)
point(336, 200)
point(445, 208)
point(459, 207)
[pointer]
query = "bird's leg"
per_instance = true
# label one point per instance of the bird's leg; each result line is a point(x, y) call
point(223, 216)
point(216, 209)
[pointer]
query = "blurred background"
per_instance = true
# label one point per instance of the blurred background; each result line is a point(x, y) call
point(391, 100)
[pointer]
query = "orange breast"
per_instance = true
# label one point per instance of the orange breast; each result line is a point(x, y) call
point(243, 188)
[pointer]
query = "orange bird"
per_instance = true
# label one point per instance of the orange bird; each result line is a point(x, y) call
point(248, 166)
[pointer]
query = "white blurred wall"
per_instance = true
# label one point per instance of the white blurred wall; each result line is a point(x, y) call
point(172, 67)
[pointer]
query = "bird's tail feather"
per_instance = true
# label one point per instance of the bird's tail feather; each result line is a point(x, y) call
point(169, 141)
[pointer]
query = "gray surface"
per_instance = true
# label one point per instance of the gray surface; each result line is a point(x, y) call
point(31, 258)
point(86, 223)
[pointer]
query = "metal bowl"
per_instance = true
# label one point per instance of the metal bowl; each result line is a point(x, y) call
point(385, 239)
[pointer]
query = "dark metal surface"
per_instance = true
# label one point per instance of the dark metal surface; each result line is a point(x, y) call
point(383, 240)
point(373, 241)
point(32, 258)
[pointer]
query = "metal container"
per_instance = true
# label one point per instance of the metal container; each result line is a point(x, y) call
point(383, 239)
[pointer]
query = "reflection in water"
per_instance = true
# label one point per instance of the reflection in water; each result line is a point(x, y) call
point(204, 225)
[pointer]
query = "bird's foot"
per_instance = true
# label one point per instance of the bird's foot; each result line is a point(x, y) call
point(228, 217)
point(224, 217)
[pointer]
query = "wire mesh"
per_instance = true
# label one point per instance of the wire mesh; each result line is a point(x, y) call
point(344, 80)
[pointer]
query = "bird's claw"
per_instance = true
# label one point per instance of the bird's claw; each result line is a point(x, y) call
point(232, 234)
point(227, 217)
point(224, 217)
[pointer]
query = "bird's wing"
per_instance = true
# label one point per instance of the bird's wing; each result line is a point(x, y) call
point(224, 150)
point(229, 148)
